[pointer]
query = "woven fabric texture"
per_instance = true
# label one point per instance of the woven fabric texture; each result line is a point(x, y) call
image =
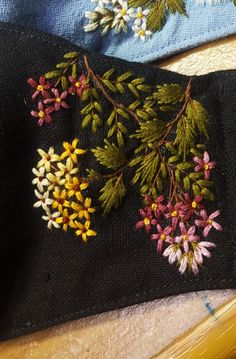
point(206, 21)
point(50, 277)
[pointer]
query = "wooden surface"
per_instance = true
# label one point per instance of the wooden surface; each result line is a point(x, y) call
point(141, 331)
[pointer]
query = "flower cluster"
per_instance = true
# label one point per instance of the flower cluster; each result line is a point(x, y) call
point(50, 100)
point(116, 14)
point(60, 191)
point(180, 229)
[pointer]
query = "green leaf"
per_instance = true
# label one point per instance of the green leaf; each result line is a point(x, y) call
point(124, 76)
point(133, 90)
point(175, 6)
point(169, 94)
point(74, 70)
point(173, 159)
point(108, 74)
point(185, 136)
point(109, 85)
point(150, 131)
point(134, 105)
point(186, 183)
point(196, 189)
point(52, 74)
point(71, 55)
point(123, 113)
point(198, 116)
point(64, 83)
point(86, 120)
point(156, 16)
point(207, 194)
point(87, 109)
point(143, 3)
point(93, 175)
point(146, 173)
point(112, 193)
point(62, 65)
point(205, 183)
point(110, 156)
point(111, 117)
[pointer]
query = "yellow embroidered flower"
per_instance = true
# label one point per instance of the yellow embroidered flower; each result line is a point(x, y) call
point(54, 181)
point(66, 219)
point(47, 158)
point(83, 209)
point(84, 230)
point(66, 170)
point(75, 187)
point(71, 151)
point(60, 199)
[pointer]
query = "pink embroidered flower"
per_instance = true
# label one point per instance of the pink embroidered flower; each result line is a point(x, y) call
point(191, 205)
point(147, 220)
point(173, 252)
point(43, 114)
point(78, 85)
point(200, 250)
point(186, 236)
point(204, 164)
point(156, 205)
point(163, 235)
point(58, 100)
point(208, 223)
point(40, 87)
point(176, 212)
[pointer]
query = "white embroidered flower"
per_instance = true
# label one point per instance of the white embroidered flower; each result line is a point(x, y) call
point(44, 200)
point(40, 179)
point(54, 181)
point(101, 3)
point(200, 250)
point(173, 252)
point(140, 16)
point(123, 12)
point(51, 219)
point(66, 170)
point(47, 158)
point(141, 31)
point(183, 263)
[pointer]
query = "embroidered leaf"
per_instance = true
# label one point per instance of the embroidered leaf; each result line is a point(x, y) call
point(52, 74)
point(185, 136)
point(169, 94)
point(156, 16)
point(176, 6)
point(108, 74)
point(143, 3)
point(124, 76)
point(110, 156)
point(93, 175)
point(112, 193)
point(198, 116)
point(71, 55)
point(150, 131)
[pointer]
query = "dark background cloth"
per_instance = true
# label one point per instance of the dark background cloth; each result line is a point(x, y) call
point(48, 277)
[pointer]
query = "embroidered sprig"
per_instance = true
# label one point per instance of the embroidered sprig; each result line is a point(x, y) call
point(155, 135)
point(60, 191)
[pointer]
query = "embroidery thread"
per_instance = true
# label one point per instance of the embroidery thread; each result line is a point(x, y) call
point(60, 191)
point(166, 130)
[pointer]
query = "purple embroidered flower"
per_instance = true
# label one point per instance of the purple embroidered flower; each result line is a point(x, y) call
point(78, 85)
point(156, 205)
point(200, 250)
point(43, 114)
point(147, 220)
point(57, 101)
point(191, 205)
point(163, 235)
point(186, 236)
point(207, 222)
point(40, 87)
point(204, 164)
point(176, 212)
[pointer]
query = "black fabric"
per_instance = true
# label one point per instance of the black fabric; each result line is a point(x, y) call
point(49, 277)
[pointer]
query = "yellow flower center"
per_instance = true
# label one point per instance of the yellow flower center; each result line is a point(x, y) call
point(174, 214)
point(146, 221)
point(209, 221)
point(58, 99)
point(123, 12)
point(141, 33)
point(77, 84)
point(185, 237)
point(194, 204)
point(206, 167)
point(40, 87)
point(163, 236)
point(154, 206)
point(41, 114)
point(139, 15)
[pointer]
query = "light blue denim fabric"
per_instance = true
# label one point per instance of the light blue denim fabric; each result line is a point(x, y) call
point(66, 18)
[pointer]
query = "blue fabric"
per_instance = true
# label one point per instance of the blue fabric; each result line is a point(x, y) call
point(66, 18)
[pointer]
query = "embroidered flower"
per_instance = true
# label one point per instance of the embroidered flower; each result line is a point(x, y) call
point(84, 230)
point(51, 219)
point(175, 212)
point(163, 235)
point(204, 164)
point(57, 100)
point(147, 220)
point(123, 12)
point(47, 158)
point(183, 263)
point(66, 170)
point(40, 179)
point(60, 199)
point(200, 250)
point(66, 219)
point(140, 16)
point(186, 236)
point(207, 222)
point(43, 114)
point(156, 205)
point(78, 85)
point(141, 31)
point(173, 252)
point(44, 200)
point(40, 87)
point(84, 209)
point(54, 181)
point(72, 151)
point(75, 187)
point(191, 205)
